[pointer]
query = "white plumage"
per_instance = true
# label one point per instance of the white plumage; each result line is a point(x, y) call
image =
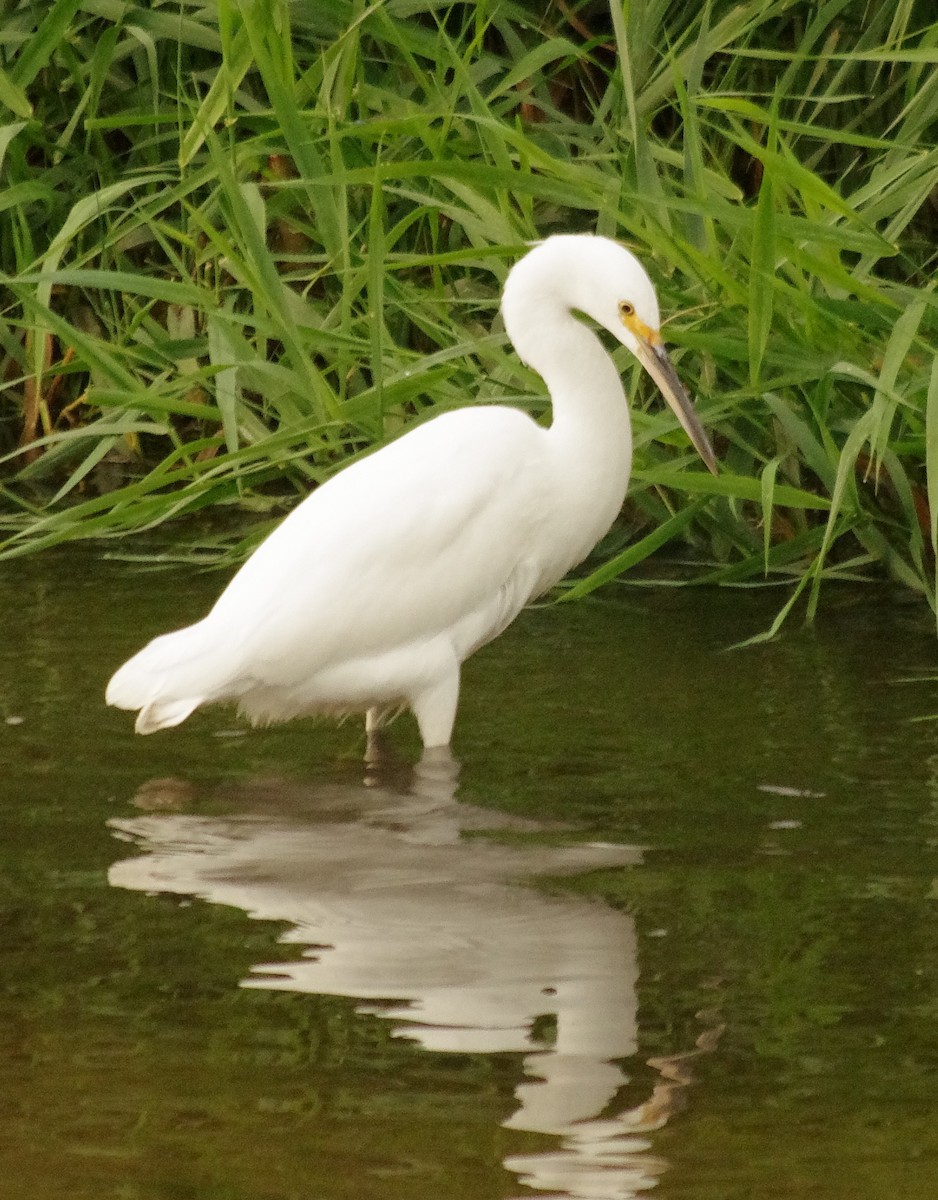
point(376, 588)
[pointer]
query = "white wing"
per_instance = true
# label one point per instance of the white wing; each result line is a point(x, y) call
point(396, 548)
point(437, 533)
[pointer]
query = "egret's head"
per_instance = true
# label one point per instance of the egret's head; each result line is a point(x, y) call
point(605, 281)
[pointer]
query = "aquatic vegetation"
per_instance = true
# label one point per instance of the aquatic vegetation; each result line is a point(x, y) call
point(245, 242)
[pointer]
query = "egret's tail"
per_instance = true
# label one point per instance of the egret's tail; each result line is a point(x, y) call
point(167, 680)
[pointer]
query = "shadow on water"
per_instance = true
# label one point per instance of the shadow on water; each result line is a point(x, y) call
point(395, 907)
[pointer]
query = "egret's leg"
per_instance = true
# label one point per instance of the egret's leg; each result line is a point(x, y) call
point(435, 710)
point(376, 747)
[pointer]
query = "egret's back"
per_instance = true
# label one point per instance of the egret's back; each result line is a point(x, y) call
point(383, 578)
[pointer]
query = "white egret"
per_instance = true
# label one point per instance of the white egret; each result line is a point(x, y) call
point(371, 594)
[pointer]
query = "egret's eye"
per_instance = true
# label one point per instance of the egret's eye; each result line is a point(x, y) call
point(626, 309)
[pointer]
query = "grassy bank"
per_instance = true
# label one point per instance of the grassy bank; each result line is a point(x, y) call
point(242, 242)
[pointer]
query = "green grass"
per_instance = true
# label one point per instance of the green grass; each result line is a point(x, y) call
point(243, 241)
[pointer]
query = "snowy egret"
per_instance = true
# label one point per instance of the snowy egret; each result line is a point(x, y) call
point(371, 594)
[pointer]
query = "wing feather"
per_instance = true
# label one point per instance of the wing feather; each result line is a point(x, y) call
point(396, 548)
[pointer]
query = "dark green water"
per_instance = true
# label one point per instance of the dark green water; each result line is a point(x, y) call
point(698, 952)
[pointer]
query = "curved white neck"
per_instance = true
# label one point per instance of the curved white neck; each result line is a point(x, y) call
point(590, 437)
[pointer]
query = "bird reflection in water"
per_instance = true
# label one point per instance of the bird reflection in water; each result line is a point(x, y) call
point(395, 908)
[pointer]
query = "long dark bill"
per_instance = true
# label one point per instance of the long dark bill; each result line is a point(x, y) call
point(654, 358)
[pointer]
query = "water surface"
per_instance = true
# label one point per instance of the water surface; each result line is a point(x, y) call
point(669, 923)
